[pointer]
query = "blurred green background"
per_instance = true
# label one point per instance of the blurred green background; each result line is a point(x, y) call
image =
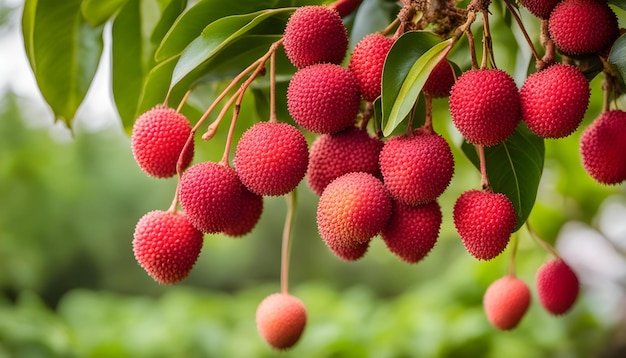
point(70, 287)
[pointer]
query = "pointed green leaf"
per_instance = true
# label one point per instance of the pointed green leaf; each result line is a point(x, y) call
point(617, 56)
point(97, 12)
point(514, 168)
point(407, 67)
point(63, 51)
point(619, 3)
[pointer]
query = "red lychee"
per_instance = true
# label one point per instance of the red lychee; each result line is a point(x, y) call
point(557, 286)
point(485, 106)
point(271, 158)
point(348, 253)
point(484, 221)
point(412, 231)
point(211, 195)
point(554, 100)
point(416, 168)
point(158, 137)
point(281, 319)
point(506, 301)
point(352, 209)
point(602, 148)
point(333, 155)
point(166, 245)
point(367, 61)
point(251, 210)
point(440, 80)
point(580, 27)
point(540, 8)
point(315, 34)
point(323, 98)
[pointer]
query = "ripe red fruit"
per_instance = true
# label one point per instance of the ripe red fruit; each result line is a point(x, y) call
point(280, 319)
point(485, 106)
point(367, 61)
point(323, 98)
point(166, 245)
point(211, 195)
point(271, 158)
point(158, 137)
point(315, 34)
point(484, 221)
point(352, 209)
point(416, 168)
point(251, 210)
point(540, 8)
point(348, 253)
point(506, 301)
point(333, 155)
point(412, 231)
point(440, 80)
point(580, 27)
point(557, 286)
point(602, 148)
point(554, 100)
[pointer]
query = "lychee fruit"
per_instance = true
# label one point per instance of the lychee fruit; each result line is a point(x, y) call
point(440, 80)
point(554, 101)
point(349, 252)
point(416, 168)
point(352, 209)
point(166, 245)
point(484, 221)
point(333, 155)
point(412, 231)
point(540, 8)
point(485, 106)
point(367, 61)
point(271, 158)
point(211, 195)
point(602, 148)
point(281, 319)
point(323, 98)
point(315, 34)
point(158, 137)
point(249, 215)
point(580, 27)
point(506, 301)
point(557, 286)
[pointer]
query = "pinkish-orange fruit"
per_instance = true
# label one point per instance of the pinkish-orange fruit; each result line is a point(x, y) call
point(412, 231)
point(540, 8)
point(333, 155)
point(323, 98)
point(271, 158)
point(602, 148)
point(485, 106)
point(166, 245)
point(315, 34)
point(484, 221)
point(368, 58)
point(281, 319)
point(158, 137)
point(440, 80)
point(506, 301)
point(249, 215)
point(557, 286)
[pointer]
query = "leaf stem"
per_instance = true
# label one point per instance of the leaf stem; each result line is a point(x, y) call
point(286, 242)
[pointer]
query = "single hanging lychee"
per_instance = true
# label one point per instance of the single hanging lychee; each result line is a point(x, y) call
point(280, 320)
point(506, 301)
point(603, 148)
point(367, 61)
point(557, 286)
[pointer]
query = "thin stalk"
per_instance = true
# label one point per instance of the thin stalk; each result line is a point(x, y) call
point(541, 242)
point(514, 239)
point(484, 178)
point(182, 101)
point(428, 121)
point(273, 117)
point(538, 58)
point(286, 242)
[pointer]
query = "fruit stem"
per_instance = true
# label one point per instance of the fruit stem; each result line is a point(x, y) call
point(484, 179)
point(233, 123)
point(487, 43)
point(514, 238)
point(286, 242)
point(548, 45)
point(541, 242)
point(345, 7)
point(182, 101)
point(539, 62)
point(390, 27)
point(368, 112)
point(273, 118)
point(428, 120)
point(472, 46)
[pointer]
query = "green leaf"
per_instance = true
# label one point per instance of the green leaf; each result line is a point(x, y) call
point(514, 168)
point(407, 67)
point(619, 3)
point(617, 56)
point(63, 51)
point(97, 12)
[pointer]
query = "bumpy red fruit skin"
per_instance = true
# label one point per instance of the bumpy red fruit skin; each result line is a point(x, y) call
point(412, 231)
point(158, 138)
point(271, 158)
point(315, 34)
point(211, 195)
point(333, 155)
point(367, 61)
point(350, 252)
point(485, 106)
point(323, 98)
point(352, 209)
point(249, 215)
point(484, 221)
point(506, 301)
point(540, 8)
point(166, 245)
point(602, 148)
point(281, 319)
point(557, 286)
point(440, 80)
point(416, 168)
point(554, 101)
point(580, 27)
